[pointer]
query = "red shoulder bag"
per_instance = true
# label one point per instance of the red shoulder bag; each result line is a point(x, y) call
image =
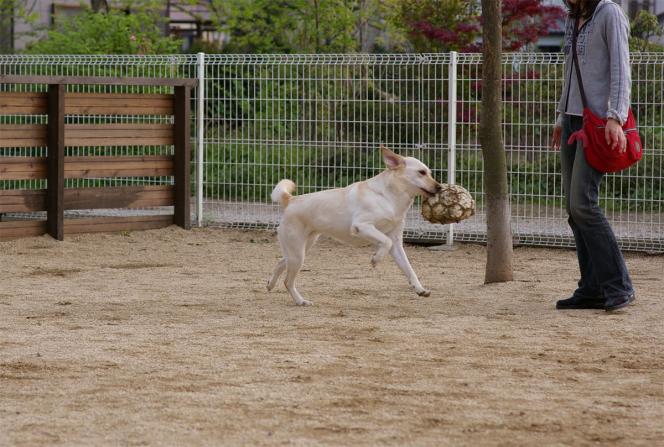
point(599, 154)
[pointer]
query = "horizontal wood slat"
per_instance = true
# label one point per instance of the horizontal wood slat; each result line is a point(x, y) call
point(30, 200)
point(34, 103)
point(21, 228)
point(118, 104)
point(96, 80)
point(22, 200)
point(26, 228)
point(119, 197)
point(77, 135)
point(22, 103)
point(22, 168)
point(22, 135)
point(104, 224)
point(26, 168)
point(142, 166)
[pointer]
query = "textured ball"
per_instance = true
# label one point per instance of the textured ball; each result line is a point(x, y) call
point(451, 205)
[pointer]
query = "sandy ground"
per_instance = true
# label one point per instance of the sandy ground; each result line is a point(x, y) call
point(170, 338)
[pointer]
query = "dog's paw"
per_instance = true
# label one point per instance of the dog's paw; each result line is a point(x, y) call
point(304, 303)
point(424, 292)
point(375, 259)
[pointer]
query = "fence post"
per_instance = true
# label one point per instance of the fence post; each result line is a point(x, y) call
point(451, 131)
point(55, 160)
point(200, 148)
point(182, 156)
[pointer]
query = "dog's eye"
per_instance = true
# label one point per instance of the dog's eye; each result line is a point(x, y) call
point(422, 172)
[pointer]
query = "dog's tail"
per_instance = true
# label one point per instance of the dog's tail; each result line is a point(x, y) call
point(283, 192)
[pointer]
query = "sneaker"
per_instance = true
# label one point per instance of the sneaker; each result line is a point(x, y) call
point(618, 302)
point(581, 302)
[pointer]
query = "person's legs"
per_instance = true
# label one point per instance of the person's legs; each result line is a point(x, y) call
point(602, 263)
point(588, 286)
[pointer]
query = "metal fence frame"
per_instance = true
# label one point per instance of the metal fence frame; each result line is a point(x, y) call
point(319, 118)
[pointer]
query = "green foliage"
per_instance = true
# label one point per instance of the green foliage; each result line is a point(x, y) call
point(442, 14)
point(294, 26)
point(454, 25)
point(114, 32)
point(10, 12)
point(306, 26)
point(644, 27)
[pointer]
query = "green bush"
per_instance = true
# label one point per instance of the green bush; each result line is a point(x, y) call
point(114, 32)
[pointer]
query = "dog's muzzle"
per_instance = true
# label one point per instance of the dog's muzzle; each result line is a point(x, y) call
point(436, 191)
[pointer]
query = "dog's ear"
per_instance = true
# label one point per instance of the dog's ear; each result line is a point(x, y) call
point(392, 160)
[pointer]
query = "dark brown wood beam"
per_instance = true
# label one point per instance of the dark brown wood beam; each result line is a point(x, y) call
point(182, 157)
point(96, 80)
point(55, 161)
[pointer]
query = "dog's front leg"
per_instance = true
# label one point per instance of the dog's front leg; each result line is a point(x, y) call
point(401, 259)
point(370, 233)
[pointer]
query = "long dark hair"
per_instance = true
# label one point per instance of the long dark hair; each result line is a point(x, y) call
point(582, 8)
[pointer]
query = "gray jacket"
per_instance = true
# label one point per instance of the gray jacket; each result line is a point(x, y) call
point(603, 52)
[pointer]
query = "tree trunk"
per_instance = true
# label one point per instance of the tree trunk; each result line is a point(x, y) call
point(99, 5)
point(499, 231)
point(6, 26)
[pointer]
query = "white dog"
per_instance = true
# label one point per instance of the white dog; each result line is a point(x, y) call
point(372, 211)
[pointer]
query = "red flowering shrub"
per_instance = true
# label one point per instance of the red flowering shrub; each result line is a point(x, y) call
point(524, 21)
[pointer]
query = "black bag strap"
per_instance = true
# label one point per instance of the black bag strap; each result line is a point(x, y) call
point(575, 62)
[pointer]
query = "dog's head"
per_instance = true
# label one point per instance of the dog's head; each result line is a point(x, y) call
point(411, 172)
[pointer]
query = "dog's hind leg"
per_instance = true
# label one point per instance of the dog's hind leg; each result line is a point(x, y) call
point(295, 261)
point(283, 263)
point(278, 270)
point(293, 245)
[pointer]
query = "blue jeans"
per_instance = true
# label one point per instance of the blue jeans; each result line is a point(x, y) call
point(603, 270)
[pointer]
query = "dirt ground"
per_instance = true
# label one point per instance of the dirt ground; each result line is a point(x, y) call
point(169, 337)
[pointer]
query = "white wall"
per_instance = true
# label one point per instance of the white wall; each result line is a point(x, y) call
point(43, 9)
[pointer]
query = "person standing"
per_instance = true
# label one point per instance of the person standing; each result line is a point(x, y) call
point(601, 31)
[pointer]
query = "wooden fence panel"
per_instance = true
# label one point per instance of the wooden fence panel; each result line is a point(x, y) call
point(55, 167)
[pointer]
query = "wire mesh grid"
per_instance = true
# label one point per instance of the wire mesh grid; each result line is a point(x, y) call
point(319, 119)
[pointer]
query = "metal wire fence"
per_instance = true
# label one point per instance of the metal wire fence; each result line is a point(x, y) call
point(319, 119)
